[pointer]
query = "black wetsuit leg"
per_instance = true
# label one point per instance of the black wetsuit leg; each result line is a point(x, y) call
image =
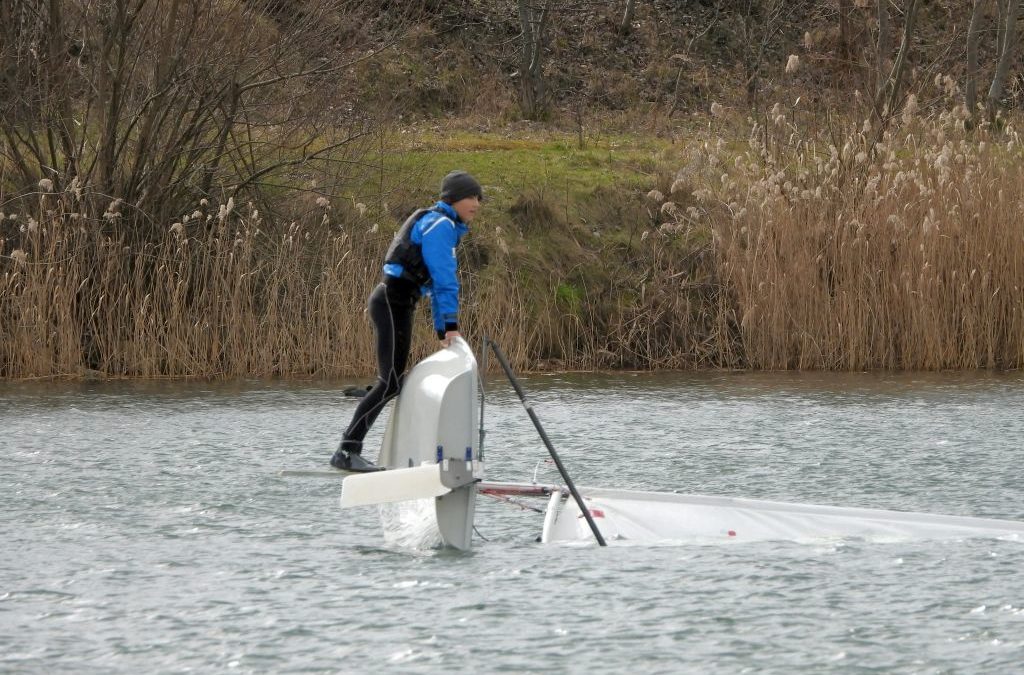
point(391, 308)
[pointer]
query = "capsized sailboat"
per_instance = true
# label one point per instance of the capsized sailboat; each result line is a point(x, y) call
point(432, 449)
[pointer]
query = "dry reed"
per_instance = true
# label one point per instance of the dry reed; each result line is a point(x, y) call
point(218, 295)
point(221, 294)
point(903, 251)
point(902, 254)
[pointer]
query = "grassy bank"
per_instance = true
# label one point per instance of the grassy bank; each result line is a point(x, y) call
point(760, 247)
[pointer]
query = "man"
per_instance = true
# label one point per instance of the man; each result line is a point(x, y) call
point(421, 260)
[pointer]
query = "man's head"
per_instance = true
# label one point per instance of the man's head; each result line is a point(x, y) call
point(463, 193)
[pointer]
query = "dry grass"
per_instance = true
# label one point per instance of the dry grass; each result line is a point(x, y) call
point(815, 251)
point(217, 296)
point(222, 294)
point(905, 254)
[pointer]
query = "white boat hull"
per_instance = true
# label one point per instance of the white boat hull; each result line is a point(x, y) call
point(431, 450)
point(434, 423)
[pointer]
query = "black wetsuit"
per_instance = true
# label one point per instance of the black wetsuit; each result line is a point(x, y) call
point(391, 308)
point(392, 303)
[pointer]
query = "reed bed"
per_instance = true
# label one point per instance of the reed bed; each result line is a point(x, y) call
point(841, 249)
point(901, 250)
point(222, 294)
point(219, 295)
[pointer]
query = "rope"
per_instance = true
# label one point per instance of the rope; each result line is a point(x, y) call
point(513, 502)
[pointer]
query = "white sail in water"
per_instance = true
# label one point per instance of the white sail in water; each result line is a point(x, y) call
point(655, 517)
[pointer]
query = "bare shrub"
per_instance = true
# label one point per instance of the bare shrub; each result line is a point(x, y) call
point(534, 211)
point(164, 102)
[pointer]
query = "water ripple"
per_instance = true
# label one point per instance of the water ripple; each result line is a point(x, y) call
point(146, 530)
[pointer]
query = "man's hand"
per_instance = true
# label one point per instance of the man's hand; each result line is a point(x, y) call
point(446, 341)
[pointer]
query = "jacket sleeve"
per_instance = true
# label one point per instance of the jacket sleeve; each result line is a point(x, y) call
point(439, 240)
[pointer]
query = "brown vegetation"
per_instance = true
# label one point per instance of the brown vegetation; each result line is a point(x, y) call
point(795, 253)
point(164, 102)
point(219, 295)
point(906, 254)
point(868, 223)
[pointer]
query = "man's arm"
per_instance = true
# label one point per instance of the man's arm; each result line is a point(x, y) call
point(439, 239)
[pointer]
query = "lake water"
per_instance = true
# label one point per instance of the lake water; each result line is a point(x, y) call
point(145, 529)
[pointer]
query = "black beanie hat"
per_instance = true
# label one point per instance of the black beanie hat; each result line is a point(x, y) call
point(459, 185)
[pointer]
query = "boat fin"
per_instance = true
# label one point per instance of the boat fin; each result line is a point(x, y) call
point(396, 485)
point(399, 485)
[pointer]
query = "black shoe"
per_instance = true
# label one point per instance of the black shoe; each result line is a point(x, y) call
point(354, 462)
point(346, 446)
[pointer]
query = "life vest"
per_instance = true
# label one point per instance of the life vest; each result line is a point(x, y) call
point(408, 254)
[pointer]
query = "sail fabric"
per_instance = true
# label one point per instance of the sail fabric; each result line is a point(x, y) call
point(655, 517)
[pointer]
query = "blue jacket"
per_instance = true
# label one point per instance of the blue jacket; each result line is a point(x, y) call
point(438, 233)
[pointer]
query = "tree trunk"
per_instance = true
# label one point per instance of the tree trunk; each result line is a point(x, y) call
point(1000, 25)
point(627, 17)
point(973, 36)
point(844, 28)
point(62, 158)
point(995, 91)
point(884, 42)
point(890, 92)
point(532, 89)
point(111, 91)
